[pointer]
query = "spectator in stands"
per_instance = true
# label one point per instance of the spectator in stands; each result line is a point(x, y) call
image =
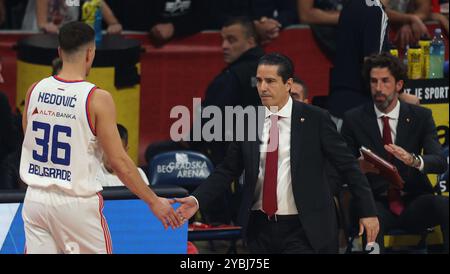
point(416, 10)
point(269, 16)
point(441, 18)
point(12, 12)
point(172, 19)
point(49, 15)
point(408, 19)
point(319, 12)
point(106, 175)
point(323, 17)
point(406, 136)
point(163, 19)
point(299, 90)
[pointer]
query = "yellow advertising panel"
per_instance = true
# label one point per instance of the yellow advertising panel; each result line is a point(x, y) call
point(127, 100)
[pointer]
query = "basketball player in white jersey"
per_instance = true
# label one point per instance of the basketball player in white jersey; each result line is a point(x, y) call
point(69, 123)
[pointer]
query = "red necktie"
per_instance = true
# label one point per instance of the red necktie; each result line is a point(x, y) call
point(269, 204)
point(395, 200)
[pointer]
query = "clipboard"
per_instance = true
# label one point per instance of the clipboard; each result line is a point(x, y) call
point(387, 170)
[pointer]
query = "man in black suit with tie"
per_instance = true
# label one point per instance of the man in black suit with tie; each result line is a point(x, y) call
point(287, 205)
point(398, 132)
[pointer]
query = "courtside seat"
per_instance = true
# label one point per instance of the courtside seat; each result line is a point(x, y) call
point(184, 168)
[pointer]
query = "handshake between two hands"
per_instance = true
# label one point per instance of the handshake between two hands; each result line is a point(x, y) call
point(168, 216)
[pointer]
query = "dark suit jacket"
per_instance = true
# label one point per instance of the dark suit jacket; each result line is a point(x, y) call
point(314, 139)
point(416, 131)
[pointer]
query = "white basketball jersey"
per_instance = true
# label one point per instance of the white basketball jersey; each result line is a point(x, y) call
point(60, 149)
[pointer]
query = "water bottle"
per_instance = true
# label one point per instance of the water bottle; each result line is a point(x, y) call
point(405, 58)
point(98, 25)
point(437, 51)
point(424, 44)
point(415, 62)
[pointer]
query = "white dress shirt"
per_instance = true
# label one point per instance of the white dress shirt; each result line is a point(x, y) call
point(285, 196)
point(393, 122)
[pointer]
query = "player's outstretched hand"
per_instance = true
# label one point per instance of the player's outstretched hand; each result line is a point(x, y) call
point(166, 214)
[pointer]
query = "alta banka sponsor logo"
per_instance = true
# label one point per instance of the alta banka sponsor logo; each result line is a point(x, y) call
point(56, 114)
point(59, 100)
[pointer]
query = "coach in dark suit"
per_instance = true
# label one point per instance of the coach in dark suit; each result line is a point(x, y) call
point(398, 132)
point(287, 206)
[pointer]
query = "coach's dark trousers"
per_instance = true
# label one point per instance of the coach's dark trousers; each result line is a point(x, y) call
point(282, 234)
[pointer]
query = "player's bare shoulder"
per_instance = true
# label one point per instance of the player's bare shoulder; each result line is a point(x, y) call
point(101, 96)
point(101, 99)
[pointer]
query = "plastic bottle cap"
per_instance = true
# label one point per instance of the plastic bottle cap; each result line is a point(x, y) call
point(438, 31)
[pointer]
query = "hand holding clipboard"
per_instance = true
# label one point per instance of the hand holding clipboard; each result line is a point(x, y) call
point(387, 170)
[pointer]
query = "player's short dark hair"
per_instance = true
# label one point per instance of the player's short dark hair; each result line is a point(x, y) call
point(299, 81)
point(384, 60)
point(73, 35)
point(123, 132)
point(246, 23)
point(285, 65)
